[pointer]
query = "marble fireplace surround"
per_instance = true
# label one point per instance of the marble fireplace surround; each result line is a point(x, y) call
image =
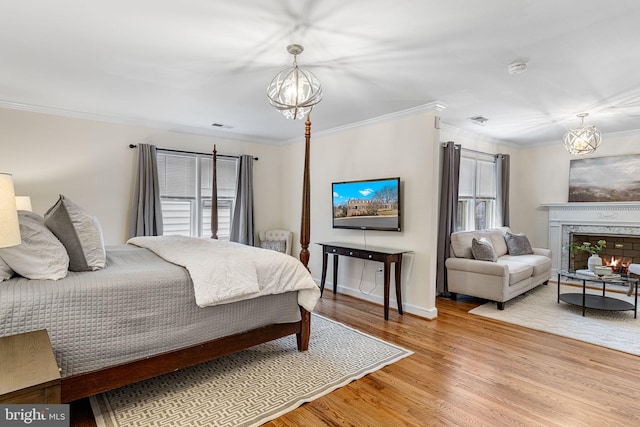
point(619, 218)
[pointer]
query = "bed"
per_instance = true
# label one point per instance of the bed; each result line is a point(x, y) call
point(126, 323)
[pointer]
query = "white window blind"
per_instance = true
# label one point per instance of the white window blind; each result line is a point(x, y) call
point(186, 206)
point(466, 186)
point(477, 192)
point(485, 179)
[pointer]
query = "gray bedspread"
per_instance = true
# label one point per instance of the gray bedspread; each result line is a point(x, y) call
point(140, 305)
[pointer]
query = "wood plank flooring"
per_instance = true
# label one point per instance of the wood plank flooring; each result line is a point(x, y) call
point(469, 371)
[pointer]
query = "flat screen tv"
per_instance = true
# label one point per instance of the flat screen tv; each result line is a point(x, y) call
point(372, 204)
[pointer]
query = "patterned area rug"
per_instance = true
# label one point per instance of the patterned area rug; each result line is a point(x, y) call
point(250, 387)
point(538, 309)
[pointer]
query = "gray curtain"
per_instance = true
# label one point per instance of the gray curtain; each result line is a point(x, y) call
point(242, 224)
point(146, 212)
point(502, 177)
point(448, 210)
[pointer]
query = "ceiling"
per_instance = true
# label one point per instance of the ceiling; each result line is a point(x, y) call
point(187, 64)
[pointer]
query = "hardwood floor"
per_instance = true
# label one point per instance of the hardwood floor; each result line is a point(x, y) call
point(469, 371)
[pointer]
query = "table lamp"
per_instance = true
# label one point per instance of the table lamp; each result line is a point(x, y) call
point(9, 226)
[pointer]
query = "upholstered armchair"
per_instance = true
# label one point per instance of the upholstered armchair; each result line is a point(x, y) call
point(277, 240)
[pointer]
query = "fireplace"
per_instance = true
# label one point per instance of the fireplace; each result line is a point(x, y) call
point(621, 250)
point(618, 223)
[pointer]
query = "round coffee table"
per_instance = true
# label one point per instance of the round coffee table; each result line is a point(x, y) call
point(597, 301)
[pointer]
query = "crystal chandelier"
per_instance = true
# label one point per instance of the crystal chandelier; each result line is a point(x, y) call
point(294, 91)
point(583, 140)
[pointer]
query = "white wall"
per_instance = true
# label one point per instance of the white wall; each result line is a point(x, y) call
point(539, 174)
point(543, 174)
point(91, 163)
point(407, 147)
point(532, 176)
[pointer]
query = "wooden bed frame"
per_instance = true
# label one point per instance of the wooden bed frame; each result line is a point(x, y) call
point(83, 385)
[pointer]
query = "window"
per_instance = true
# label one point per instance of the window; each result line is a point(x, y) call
point(185, 193)
point(477, 193)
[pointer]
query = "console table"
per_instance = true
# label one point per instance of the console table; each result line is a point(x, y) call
point(384, 255)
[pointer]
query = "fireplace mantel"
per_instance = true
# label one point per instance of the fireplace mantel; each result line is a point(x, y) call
point(620, 218)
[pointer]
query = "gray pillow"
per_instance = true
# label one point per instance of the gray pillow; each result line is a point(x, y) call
point(40, 255)
point(517, 244)
point(79, 232)
point(274, 245)
point(483, 250)
point(6, 272)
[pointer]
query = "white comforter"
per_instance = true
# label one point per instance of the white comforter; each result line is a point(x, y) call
point(224, 272)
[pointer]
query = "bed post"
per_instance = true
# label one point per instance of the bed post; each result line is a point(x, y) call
point(302, 337)
point(214, 197)
point(305, 223)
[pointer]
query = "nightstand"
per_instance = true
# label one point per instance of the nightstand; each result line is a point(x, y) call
point(28, 370)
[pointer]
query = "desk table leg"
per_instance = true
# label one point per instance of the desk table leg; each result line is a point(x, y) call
point(335, 273)
point(398, 284)
point(387, 279)
point(324, 271)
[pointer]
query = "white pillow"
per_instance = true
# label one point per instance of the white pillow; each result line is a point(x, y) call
point(79, 232)
point(40, 255)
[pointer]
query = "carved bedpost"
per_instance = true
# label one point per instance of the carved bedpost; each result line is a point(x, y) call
point(303, 337)
point(214, 197)
point(305, 223)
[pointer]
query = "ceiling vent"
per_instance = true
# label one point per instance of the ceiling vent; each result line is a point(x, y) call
point(221, 126)
point(479, 120)
point(517, 67)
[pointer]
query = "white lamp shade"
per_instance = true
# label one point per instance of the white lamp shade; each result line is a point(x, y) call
point(9, 226)
point(23, 203)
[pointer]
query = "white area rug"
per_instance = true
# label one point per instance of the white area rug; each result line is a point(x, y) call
point(538, 309)
point(250, 387)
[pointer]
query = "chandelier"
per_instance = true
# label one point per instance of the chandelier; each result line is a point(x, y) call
point(294, 91)
point(583, 140)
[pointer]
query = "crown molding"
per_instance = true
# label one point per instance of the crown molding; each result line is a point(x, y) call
point(171, 127)
point(431, 106)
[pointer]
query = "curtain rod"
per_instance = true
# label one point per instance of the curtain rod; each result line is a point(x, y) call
point(478, 152)
point(444, 144)
point(195, 152)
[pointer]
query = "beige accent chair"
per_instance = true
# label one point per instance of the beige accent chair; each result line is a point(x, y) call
point(498, 281)
point(279, 240)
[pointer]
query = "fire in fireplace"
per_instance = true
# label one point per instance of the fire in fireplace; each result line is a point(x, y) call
point(618, 254)
point(618, 265)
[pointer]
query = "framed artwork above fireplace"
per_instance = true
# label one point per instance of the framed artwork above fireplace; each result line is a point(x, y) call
point(605, 179)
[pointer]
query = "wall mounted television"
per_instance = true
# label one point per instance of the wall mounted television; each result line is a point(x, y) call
point(372, 204)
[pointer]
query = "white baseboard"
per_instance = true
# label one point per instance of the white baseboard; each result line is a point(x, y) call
point(377, 299)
